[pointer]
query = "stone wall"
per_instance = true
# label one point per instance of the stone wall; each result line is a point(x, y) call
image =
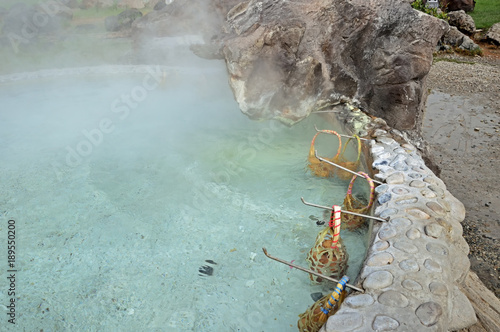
point(417, 262)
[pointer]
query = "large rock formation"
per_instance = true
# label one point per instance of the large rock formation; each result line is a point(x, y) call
point(461, 20)
point(287, 59)
point(493, 34)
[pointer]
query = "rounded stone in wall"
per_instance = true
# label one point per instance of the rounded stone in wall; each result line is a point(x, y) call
point(437, 208)
point(407, 200)
point(381, 245)
point(400, 222)
point(384, 323)
point(411, 285)
point(396, 178)
point(344, 321)
point(413, 234)
point(432, 266)
point(417, 184)
point(429, 313)
point(386, 232)
point(438, 288)
point(433, 230)
point(381, 259)
point(393, 298)
point(381, 189)
point(418, 213)
point(387, 213)
point(359, 301)
point(436, 248)
point(384, 198)
point(400, 191)
point(427, 193)
point(378, 280)
point(406, 247)
point(437, 190)
point(409, 265)
point(432, 180)
point(415, 175)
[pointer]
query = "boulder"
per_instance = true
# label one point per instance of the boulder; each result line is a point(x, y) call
point(469, 45)
point(453, 5)
point(457, 39)
point(287, 59)
point(453, 37)
point(493, 34)
point(461, 20)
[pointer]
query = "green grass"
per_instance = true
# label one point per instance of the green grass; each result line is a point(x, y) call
point(453, 60)
point(96, 12)
point(486, 13)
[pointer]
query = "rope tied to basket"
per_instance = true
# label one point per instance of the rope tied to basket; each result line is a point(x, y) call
point(316, 316)
point(334, 297)
point(329, 256)
point(334, 224)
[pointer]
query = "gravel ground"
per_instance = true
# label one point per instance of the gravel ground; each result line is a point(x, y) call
point(462, 126)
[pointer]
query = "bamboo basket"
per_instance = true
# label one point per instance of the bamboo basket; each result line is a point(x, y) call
point(316, 316)
point(317, 167)
point(329, 256)
point(352, 222)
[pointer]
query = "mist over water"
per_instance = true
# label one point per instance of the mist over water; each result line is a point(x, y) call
point(126, 181)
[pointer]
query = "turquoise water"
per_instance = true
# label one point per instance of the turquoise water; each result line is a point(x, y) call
point(122, 186)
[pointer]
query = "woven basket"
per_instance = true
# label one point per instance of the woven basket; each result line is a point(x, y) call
point(349, 221)
point(313, 319)
point(329, 256)
point(351, 165)
point(317, 167)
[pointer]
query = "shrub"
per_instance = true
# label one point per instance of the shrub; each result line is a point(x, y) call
point(419, 5)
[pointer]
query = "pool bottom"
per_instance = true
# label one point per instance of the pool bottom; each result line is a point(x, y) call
point(119, 239)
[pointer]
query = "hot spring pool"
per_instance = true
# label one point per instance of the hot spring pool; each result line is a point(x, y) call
point(124, 185)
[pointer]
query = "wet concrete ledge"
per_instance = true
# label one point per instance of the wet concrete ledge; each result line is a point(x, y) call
point(417, 261)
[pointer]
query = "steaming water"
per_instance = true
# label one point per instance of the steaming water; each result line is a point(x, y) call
point(118, 206)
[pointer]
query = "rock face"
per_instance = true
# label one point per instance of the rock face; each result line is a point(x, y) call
point(453, 5)
point(287, 59)
point(461, 20)
point(493, 34)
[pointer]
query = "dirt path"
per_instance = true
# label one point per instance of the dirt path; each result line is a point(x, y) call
point(462, 125)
